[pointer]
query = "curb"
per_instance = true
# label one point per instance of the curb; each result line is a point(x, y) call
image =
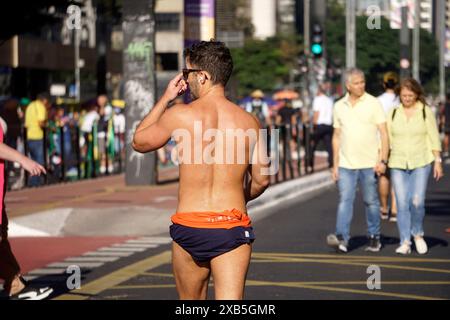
point(81, 221)
point(300, 189)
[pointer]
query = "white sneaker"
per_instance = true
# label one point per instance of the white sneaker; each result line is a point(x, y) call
point(337, 243)
point(405, 248)
point(421, 245)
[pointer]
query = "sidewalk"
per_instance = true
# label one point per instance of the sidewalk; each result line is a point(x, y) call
point(106, 207)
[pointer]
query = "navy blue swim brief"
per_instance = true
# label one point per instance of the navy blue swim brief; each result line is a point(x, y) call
point(204, 244)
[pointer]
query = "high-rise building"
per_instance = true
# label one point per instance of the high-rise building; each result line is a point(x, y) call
point(426, 13)
point(286, 16)
point(233, 22)
point(264, 18)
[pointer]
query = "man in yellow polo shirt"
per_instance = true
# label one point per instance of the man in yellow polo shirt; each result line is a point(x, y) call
point(357, 119)
point(35, 121)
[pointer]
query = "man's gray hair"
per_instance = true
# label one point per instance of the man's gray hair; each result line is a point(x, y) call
point(352, 72)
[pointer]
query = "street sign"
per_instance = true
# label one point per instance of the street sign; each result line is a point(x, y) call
point(58, 90)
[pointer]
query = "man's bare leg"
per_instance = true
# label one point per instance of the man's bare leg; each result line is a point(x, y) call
point(191, 277)
point(229, 271)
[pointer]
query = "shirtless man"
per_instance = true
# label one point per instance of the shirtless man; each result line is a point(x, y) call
point(211, 230)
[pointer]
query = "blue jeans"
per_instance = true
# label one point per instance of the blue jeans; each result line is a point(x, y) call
point(348, 180)
point(36, 149)
point(410, 187)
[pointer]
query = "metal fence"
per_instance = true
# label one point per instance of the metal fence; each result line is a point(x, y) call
point(71, 155)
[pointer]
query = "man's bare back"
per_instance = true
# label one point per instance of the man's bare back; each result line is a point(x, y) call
point(218, 186)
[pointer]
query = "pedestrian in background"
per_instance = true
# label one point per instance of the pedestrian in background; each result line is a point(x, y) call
point(35, 122)
point(357, 119)
point(15, 286)
point(446, 126)
point(415, 145)
point(323, 123)
point(389, 100)
point(259, 108)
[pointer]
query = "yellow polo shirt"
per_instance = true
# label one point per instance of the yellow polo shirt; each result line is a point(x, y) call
point(359, 142)
point(35, 113)
point(412, 141)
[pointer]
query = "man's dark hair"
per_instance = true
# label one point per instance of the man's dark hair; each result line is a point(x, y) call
point(390, 84)
point(213, 57)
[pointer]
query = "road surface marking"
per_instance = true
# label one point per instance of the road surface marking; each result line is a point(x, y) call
point(135, 245)
point(160, 240)
point(325, 288)
point(337, 260)
point(117, 277)
point(117, 249)
point(92, 259)
point(79, 264)
point(46, 271)
point(347, 257)
point(108, 254)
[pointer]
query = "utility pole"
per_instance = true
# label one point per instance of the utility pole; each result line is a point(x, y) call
point(405, 61)
point(416, 42)
point(139, 84)
point(102, 45)
point(441, 36)
point(307, 45)
point(77, 63)
point(307, 23)
point(350, 37)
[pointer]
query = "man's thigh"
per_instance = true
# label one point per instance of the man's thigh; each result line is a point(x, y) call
point(191, 277)
point(347, 183)
point(229, 271)
point(369, 183)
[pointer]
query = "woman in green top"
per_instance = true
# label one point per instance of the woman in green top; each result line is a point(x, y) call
point(415, 144)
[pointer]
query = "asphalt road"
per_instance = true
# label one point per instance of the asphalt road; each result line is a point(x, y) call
point(291, 260)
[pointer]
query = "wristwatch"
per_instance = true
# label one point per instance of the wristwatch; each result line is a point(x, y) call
point(384, 162)
point(438, 159)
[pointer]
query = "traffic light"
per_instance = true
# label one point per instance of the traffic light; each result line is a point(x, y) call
point(317, 41)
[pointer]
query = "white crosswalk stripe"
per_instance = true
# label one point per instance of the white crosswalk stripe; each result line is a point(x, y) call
point(136, 245)
point(160, 240)
point(79, 264)
point(117, 249)
point(108, 254)
point(45, 271)
point(91, 259)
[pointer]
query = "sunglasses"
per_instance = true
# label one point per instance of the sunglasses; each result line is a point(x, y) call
point(187, 71)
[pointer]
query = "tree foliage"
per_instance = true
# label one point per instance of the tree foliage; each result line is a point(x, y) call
point(378, 50)
point(265, 64)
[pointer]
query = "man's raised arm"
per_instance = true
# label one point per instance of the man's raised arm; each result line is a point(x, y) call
point(155, 130)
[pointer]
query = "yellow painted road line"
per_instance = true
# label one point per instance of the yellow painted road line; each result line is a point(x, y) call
point(345, 257)
point(325, 288)
point(157, 274)
point(117, 277)
point(145, 286)
point(350, 283)
point(349, 262)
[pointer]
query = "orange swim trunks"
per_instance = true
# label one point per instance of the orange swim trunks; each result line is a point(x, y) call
point(212, 220)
